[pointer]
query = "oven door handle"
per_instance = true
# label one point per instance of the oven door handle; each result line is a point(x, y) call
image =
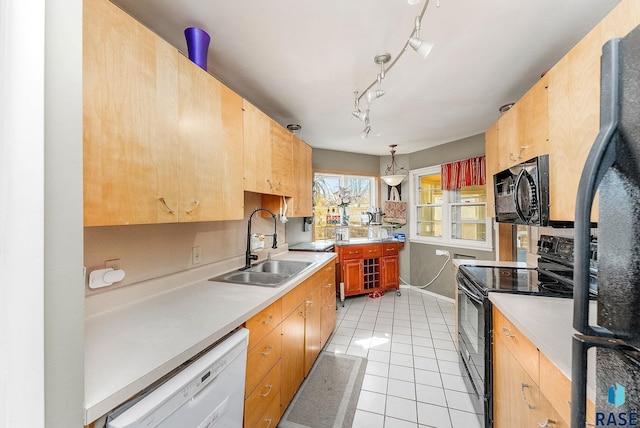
point(473, 296)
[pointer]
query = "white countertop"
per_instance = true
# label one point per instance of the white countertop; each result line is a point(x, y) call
point(130, 347)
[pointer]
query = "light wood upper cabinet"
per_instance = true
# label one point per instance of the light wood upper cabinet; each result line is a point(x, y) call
point(564, 106)
point(211, 187)
point(281, 180)
point(130, 120)
point(302, 179)
point(574, 107)
point(160, 134)
point(268, 151)
point(257, 149)
point(523, 131)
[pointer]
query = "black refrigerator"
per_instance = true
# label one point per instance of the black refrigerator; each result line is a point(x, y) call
point(613, 168)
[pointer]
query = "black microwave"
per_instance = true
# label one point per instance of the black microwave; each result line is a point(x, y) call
point(522, 193)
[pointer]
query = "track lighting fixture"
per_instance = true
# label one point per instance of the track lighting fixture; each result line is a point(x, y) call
point(420, 46)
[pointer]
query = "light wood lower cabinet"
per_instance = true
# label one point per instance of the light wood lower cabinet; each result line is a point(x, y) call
point(287, 337)
point(529, 390)
point(262, 398)
point(293, 354)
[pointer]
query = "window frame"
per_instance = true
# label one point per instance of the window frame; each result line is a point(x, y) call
point(448, 204)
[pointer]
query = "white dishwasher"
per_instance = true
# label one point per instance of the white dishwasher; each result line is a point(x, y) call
point(209, 392)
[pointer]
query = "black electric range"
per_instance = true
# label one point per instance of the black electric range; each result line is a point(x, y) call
point(552, 278)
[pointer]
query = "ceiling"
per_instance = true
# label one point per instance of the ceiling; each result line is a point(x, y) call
point(300, 61)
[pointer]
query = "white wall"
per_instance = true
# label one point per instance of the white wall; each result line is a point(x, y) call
point(22, 213)
point(63, 276)
point(41, 300)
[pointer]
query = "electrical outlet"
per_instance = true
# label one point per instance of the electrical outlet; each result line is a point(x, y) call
point(195, 255)
point(114, 264)
point(442, 253)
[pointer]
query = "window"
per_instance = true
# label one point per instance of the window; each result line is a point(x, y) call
point(450, 217)
point(362, 191)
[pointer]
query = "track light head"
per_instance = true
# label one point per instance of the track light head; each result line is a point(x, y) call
point(365, 133)
point(417, 44)
point(374, 95)
point(420, 46)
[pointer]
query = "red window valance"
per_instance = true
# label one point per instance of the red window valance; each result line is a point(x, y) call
point(468, 172)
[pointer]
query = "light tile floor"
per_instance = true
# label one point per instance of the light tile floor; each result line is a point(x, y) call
point(412, 378)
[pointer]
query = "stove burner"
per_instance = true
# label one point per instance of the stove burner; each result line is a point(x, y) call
point(556, 289)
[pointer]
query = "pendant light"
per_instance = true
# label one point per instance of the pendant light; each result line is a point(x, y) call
point(393, 175)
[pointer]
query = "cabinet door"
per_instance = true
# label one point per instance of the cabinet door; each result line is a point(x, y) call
point(130, 120)
point(312, 327)
point(303, 179)
point(390, 271)
point(210, 133)
point(257, 149)
point(523, 131)
point(353, 276)
point(281, 181)
point(515, 396)
point(293, 354)
point(328, 311)
point(533, 123)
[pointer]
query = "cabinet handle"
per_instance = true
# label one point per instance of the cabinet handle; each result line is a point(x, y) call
point(507, 333)
point(522, 149)
point(268, 320)
point(302, 314)
point(524, 397)
point(268, 392)
point(328, 285)
point(546, 423)
point(195, 205)
point(270, 349)
point(269, 422)
point(167, 207)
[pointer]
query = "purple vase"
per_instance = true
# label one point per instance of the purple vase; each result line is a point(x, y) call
point(198, 46)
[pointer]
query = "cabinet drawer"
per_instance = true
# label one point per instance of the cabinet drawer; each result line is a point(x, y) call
point(351, 252)
point(262, 397)
point(522, 349)
point(293, 298)
point(371, 251)
point(261, 358)
point(263, 322)
point(389, 249)
point(271, 416)
point(327, 283)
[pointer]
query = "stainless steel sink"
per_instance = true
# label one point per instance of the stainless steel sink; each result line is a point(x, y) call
point(270, 273)
point(282, 267)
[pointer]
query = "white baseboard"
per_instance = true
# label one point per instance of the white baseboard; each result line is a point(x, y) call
point(430, 293)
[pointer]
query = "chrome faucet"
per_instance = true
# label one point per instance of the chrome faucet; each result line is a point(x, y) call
point(248, 256)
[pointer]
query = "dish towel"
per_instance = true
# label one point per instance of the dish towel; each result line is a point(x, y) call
point(395, 210)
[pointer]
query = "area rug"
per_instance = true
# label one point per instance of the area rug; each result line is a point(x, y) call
point(329, 395)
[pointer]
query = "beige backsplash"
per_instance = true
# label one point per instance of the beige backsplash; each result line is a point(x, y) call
point(153, 251)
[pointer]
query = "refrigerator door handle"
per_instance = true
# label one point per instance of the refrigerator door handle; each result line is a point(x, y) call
point(601, 157)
